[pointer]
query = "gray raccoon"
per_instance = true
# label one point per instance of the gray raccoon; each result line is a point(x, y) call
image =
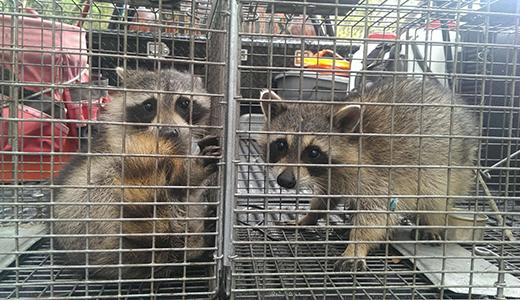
point(402, 121)
point(118, 218)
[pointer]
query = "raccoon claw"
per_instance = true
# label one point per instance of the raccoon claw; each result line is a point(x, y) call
point(210, 226)
point(348, 265)
point(287, 222)
point(428, 235)
point(210, 148)
point(209, 140)
point(210, 163)
point(290, 224)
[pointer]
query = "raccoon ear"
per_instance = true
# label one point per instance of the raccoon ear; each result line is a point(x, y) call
point(198, 81)
point(120, 72)
point(277, 106)
point(123, 73)
point(198, 78)
point(347, 118)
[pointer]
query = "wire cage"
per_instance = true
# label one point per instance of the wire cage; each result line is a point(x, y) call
point(350, 149)
point(298, 158)
point(74, 126)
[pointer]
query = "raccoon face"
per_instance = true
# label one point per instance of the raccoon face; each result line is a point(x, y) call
point(316, 153)
point(292, 149)
point(165, 111)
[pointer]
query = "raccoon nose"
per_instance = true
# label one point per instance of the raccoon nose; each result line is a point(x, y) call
point(286, 179)
point(168, 132)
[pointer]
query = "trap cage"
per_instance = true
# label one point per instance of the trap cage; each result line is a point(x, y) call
point(59, 79)
point(322, 54)
point(58, 75)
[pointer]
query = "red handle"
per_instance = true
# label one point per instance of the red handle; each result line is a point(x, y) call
point(322, 52)
point(84, 13)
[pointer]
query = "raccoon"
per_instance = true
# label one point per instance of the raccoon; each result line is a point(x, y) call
point(123, 224)
point(375, 135)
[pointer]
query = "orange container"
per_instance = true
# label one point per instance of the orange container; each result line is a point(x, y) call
point(320, 62)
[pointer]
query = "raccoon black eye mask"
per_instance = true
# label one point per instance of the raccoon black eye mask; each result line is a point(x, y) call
point(314, 155)
point(278, 149)
point(187, 108)
point(146, 111)
point(143, 112)
point(310, 155)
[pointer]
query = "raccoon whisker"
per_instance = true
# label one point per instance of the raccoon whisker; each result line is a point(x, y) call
point(321, 188)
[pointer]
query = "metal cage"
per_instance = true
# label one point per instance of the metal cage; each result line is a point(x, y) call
point(59, 80)
point(71, 160)
point(326, 53)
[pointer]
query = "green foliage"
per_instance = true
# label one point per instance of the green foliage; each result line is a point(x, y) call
point(364, 20)
point(69, 11)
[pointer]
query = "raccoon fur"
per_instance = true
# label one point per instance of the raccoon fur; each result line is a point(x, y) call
point(361, 145)
point(123, 224)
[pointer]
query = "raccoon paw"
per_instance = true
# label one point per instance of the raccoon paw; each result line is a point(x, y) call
point(210, 226)
point(292, 225)
point(350, 265)
point(289, 224)
point(210, 148)
point(209, 140)
point(430, 235)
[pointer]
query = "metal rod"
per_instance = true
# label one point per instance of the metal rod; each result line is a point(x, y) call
point(486, 171)
point(230, 144)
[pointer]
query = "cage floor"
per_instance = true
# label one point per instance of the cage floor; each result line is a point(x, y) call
point(267, 264)
point(306, 279)
point(37, 274)
point(47, 282)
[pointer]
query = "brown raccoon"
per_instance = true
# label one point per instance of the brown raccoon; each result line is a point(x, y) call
point(119, 221)
point(363, 146)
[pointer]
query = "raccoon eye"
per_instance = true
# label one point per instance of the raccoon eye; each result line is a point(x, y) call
point(149, 105)
point(314, 153)
point(281, 145)
point(183, 102)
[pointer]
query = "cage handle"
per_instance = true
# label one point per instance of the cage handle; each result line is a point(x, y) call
point(325, 51)
point(84, 13)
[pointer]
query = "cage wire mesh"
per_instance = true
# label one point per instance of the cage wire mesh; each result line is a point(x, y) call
point(140, 199)
point(296, 152)
point(82, 235)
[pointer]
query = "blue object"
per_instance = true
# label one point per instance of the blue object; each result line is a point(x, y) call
point(392, 205)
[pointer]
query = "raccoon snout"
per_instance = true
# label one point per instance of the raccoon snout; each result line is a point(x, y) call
point(169, 132)
point(286, 179)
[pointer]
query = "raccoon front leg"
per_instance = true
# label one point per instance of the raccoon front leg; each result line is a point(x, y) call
point(200, 172)
point(435, 205)
point(207, 164)
point(354, 255)
point(312, 218)
point(197, 224)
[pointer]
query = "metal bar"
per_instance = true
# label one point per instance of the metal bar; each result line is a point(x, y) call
point(13, 128)
point(228, 202)
point(485, 172)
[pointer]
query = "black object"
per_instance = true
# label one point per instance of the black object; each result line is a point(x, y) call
point(89, 90)
point(314, 86)
point(276, 53)
point(138, 47)
point(509, 7)
point(376, 61)
point(500, 96)
point(313, 7)
point(166, 4)
point(32, 99)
